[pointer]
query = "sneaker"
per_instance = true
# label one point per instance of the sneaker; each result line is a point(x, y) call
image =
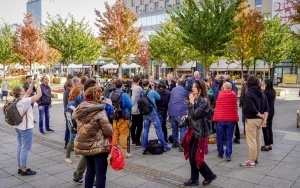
point(175, 145)
point(167, 149)
point(206, 182)
point(128, 155)
point(19, 171)
point(264, 148)
point(228, 158)
point(191, 182)
point(180, 149)
point(256, 162)
point(50, 130)
point(145, 152)
point(237, 141)
point(34, 121)
point(68, 160)
point(248, 164)
point(133, 143)
point(221, 157)
point(77, 182)
point(28, 172)
point(42, 132)
point(243, 136)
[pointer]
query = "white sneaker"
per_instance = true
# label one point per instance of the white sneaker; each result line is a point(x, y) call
point(68, 160)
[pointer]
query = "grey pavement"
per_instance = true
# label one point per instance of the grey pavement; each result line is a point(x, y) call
point(277, 168)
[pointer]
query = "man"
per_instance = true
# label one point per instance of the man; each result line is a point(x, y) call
point(121, 125)
point(225, 115)
point(256, 113)
point(137, 118)
point(152, 83)
point(69, 85)
point(152, 118)
point(4, 89)
point(27, 85)
point(197, 76)
point(44, 104)
point(177, 109)
point(242, 100)
point(170, 83)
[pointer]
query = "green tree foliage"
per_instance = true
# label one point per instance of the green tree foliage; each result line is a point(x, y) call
point(278, 42)
point(295, 52)
point(117, 32)
point(167, 46)
point(7, 54)
point(74, 40)
point(207, 26)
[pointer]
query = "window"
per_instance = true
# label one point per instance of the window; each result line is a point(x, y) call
point(147, 8)
point(132, 3)
point(137, 9)
point(142, 2)
point(177, 2)
point(258, 3)
point(156, 6)
point(167, 4)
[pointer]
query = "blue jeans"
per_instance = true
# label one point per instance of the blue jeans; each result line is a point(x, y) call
point(226, 128)
point(153, 118)
point(96, 165)
point(175, 121)
point(25, 138)
point(42, 113)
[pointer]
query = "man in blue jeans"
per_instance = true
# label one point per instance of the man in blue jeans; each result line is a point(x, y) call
point(176, 110)
point(152, 118)
point(226, 115)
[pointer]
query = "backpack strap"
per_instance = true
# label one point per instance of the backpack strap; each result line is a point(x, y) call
point(146, 94)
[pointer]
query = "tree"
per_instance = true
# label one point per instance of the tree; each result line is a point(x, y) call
point(74, 40)
point(7, 54)
point(209, 26)
point(295, 51)
point(277, 43)
point(117, 32)
point(143, 55)
point(295, 18)
point(167, 46)
point(248, 38)
point(28, 42)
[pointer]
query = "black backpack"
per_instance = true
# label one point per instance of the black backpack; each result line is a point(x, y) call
point(145, 106)
point(154, 147)
point(116, 99)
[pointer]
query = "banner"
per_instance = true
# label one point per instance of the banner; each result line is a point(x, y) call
point(284, 8)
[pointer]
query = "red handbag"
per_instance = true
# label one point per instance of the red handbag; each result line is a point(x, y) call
point(117, 161)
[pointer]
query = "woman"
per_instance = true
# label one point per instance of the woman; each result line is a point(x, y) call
point(25, 128)
point(195, 142)
point(267, 131)
point(93, 134)
point(75, 92)
point(4, 89)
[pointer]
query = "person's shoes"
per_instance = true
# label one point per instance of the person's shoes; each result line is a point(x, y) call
point(77, 182)
point(19, 171)
point(50, 130)
point(256, 162)
point(128, 155)
point(237, 141)
point(34, 121)
point(137, 145)
point(28, 172)
point(65, 147)
point(206, 182)
point(42, 132)
point(94, 183)
point(145, 152)
point(191, 182)
point(68, 160)
point(263, 148)
point(221, 157)
point(180, 149)
point(243, 136)
point(270, 148)
point(167, 149)
point(133, 143)
point(228, 158)
point(248, 164)
point(175, 145)
point(212, 140)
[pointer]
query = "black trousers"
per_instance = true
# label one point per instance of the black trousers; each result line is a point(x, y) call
point(162, 118)
point(136, 128)
point(204, 170)
point(237, 131)
point(268, 132)
point(96, 165)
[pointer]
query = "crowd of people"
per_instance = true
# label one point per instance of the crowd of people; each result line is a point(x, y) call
point(197, 109)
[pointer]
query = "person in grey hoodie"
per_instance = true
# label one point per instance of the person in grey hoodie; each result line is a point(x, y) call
point(176, 110)
point(136, 117)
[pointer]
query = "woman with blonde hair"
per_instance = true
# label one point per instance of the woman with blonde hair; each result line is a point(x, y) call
point(25, 128)
point(93, 134)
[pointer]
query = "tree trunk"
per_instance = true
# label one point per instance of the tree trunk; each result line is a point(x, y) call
point(30, 67)
point(4, 72)
point(242, 66)
point(175, 72)
point(120, 71)
point(159, 72)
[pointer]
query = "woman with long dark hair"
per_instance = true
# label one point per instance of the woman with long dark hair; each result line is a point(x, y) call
point(195, 142)
point(267, 131)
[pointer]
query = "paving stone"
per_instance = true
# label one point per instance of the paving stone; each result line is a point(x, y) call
point(46, 182)
point(112, 175)
point(284, 173)
point(49, 154)
point(43, 162)
point(184, 172)
point(152, 184)
point(10, 182)
point(8, 163)
point(66, 176)
point(230, 183)
point(296, 185)
point(4, 157)
point(23, 185)
point(247, 176)
point(70, 185)
point(276, 182)
point(113, 185)
point(4, 174)
point(57, 168)
point(130, 181)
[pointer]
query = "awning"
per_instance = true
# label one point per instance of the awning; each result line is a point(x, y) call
point(236, 66)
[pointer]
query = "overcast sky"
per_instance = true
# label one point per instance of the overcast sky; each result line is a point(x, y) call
point(12, 11)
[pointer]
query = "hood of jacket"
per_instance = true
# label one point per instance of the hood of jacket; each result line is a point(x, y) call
point(256, 90)
point(86, 110)
point(163, 91)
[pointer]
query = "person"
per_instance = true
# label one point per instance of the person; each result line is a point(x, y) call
point(94, 131)
point(243, 102)
point(197, 76)
point(195, 142)
point(121, 125)
point(25, 129)
point(256, 113)
point(162, 106)
point(44, 104)
point(4, 89)
point(170, 83)
point(177, 109)
point(225, 114)
point(75, 92)
point(136, 117)
point(26, 85)
point(152, 83)
point(152, 118)
point(68, 86)
point(267, 131)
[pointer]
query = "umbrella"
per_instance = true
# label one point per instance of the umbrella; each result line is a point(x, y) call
point(134, 65)
point(109, 66)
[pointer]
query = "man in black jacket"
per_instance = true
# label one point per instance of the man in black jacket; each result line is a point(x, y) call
point(256, 113)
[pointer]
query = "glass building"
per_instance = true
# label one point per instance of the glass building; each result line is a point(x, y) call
point(35, 6)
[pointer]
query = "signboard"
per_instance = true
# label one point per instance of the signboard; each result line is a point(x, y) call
point(284, 8)
point(289, 78)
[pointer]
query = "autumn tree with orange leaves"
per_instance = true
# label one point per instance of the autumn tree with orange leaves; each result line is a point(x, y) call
point(248, 36)
point(296, 17)
point(117, 32)
point(29, 43)
point(143, 55)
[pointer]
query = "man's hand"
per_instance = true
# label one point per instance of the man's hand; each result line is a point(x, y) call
point(40, 107)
